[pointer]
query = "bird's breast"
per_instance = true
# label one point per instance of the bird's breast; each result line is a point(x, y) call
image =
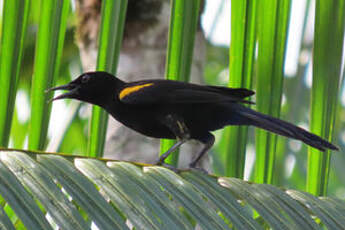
point(145, 120)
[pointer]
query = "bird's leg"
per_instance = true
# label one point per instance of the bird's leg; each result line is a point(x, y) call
point(167, 153)
point(178, 127)
point(208, 141)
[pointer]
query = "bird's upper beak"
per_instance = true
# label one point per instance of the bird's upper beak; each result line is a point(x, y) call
point(72, 88)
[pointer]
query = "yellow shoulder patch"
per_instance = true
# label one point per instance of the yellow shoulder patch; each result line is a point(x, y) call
point(127, 91)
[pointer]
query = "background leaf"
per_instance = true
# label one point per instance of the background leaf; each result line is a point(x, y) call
point(183, 25)
point(13, 31)
point(242, 50)
point(327, 64)
point(50, 40)
point(271, 32)
point(113, 20)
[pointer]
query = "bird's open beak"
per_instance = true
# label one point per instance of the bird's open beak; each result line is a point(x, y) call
point(73, 91)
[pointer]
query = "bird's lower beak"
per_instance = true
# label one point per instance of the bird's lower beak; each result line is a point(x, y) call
point(66, 87)
point(71, 94)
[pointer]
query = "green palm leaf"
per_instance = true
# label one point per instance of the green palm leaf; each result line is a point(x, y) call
point(76, 192)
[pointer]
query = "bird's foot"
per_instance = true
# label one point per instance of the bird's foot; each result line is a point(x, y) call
point(172, 168)
point(160, 162)
point(198, 169)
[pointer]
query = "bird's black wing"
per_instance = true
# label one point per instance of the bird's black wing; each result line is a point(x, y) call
point(234, 92)
point(203, 96)
point(172, 92)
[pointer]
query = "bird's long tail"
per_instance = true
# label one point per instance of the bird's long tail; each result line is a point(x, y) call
point(285, 129)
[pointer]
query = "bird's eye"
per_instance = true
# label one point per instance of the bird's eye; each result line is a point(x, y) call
point(85, 79)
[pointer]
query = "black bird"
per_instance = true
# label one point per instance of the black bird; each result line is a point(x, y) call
point(178, 110)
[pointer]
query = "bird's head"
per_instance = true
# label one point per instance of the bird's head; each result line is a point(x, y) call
point(92, 87)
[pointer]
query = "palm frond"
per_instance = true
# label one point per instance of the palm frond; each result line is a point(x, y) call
point(75, 192)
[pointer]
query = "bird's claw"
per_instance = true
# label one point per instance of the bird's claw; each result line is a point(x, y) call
point(160, 162)
point(198, 169)
point(172, 168)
